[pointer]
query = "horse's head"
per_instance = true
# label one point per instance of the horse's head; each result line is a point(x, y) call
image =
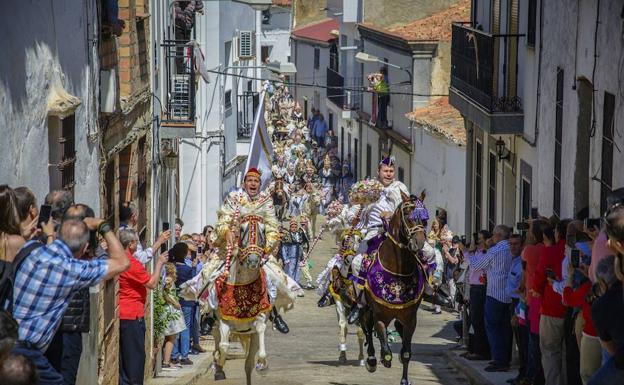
point(252, 242)
point(409, 221)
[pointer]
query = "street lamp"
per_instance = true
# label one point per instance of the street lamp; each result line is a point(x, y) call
point(364, 57)
point(171, 164)
point(501, 150)
point(257, 5)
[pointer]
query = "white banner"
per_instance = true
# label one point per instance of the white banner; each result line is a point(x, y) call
point(260, 149)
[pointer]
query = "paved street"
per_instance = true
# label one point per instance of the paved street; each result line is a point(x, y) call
point(309, 353)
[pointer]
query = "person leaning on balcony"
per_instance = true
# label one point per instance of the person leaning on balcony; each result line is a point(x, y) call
point(319, 130)
point(133, 285)
point(382, 89)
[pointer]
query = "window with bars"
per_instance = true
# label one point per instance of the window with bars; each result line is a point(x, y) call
point(228, 99)
point(606, 173)
point(492, 191)
point(401, 174)
point(317, 58)
point(558, 141)
point(62, 152)
point(478, 185)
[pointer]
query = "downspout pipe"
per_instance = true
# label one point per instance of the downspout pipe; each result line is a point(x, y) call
point(533, 142)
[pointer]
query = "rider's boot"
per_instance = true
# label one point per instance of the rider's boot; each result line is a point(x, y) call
point(278, 322)
point(437, 298)
point(326, 300)
point(357, 309)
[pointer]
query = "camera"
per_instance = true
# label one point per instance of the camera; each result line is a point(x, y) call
point(522, 226)
point(590, 223)
point(463, 240)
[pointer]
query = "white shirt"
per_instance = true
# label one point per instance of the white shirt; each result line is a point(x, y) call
point(389, 200)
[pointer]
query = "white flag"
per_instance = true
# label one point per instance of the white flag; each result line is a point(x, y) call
point(260, 149)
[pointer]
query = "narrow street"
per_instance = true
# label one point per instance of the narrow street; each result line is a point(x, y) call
point(309, 353)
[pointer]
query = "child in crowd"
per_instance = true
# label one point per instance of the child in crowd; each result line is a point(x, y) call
point(174, 316)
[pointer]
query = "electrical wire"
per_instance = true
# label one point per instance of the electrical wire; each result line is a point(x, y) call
point(313, 85)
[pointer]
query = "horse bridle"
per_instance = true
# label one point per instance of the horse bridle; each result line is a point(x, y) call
point(404, 227)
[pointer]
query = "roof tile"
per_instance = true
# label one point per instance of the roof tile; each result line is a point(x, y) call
point(318, 31)
point(441, 118)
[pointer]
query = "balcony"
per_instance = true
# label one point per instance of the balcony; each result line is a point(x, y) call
point(345, 96)
point(248, 104)
point(178, 118)
point(484, 79)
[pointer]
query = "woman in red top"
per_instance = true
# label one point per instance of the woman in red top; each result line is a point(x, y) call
point(590, 349)
point(133, 285)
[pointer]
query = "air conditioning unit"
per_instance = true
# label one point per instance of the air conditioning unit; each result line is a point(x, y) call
point(246, 45)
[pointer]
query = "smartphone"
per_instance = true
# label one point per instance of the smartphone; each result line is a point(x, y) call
point(44, 214)
point(534, 213)
point(590, 223)
point(550, 274)
point(200, 250)
point(522, 226)
point(575, 258)
point(163, 247)
point(463, 240)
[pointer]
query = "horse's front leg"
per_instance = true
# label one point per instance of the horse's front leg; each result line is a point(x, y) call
point(224, 344)
point(386, 353)
point(367, 326)
point(262, 364)
point(360, 337)
point(342, 333)
point(407, 331)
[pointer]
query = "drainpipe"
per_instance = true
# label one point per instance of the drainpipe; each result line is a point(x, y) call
point(533, 142)
point(468, 185)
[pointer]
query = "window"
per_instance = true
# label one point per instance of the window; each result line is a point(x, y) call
point(317, 58)
point(265, 52)
point(526, 199)
point(62, 152)
point(333, 58)
point(266, 17)
point(342, 154)
point(531, 23)
point(228, 100)
point(249, 85)
point(355, 160)
point(607, 150)
point(143, 54)
point(369, 154)
point(478, 186)
point(330, 121)
point(305, 109)
point(401, 174)
point(492, 191)
point(558, 141)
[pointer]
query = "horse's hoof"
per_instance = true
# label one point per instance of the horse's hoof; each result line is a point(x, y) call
point(220, 375)
point(405, 381)
point(386, 360)
point(362, 362)
point(262, 368)
point(371, 365)
point(343, 358)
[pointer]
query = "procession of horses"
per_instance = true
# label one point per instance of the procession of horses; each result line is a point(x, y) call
point(381, 272)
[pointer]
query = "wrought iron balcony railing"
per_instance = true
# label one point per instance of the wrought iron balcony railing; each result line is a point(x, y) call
point(484, 68)
point(180, 82)
point(248, 104)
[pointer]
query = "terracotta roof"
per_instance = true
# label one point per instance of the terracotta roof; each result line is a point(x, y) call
point(318, 31)
point(282, 3)
point(435, 27)
point(441, 118)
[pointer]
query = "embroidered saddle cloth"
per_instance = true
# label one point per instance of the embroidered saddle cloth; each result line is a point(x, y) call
point(243, 302)
point(393, 290)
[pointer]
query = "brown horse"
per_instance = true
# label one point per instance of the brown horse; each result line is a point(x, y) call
point(279, 198)
point(395, 284)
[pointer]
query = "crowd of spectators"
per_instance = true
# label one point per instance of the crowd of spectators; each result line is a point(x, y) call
point(551, 292)
point(50, 256)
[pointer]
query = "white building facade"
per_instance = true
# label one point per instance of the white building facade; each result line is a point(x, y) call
point(548, 102)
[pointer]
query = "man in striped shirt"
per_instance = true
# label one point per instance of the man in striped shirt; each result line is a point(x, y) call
point(496, 263)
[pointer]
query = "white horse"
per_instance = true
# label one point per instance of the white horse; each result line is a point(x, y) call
point(341, 299)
